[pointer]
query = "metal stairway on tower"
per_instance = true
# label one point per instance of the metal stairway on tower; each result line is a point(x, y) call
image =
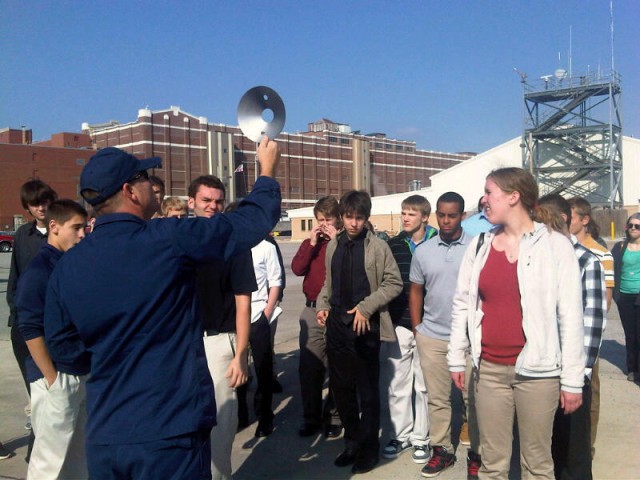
point(572, 141)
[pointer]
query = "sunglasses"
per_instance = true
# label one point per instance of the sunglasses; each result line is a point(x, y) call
point(633, 226)
point(143, 175)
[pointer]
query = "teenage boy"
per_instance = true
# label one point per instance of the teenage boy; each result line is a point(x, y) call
point(571, 441)
point(434, 271)
point(587, 232)
point(57, 414)
point(174, 207)
point(157, 185)
point(224, 291)
point(409, 420)
point(35, 196)
point(362, 278)
point(264, 301)
point(309, 261)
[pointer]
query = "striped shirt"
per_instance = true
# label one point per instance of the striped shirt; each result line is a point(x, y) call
point(605, 257)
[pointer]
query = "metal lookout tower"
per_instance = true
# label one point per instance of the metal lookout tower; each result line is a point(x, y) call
point(572, 140)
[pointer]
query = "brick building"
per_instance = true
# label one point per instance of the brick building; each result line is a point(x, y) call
point(327, 159)
point(57, 161)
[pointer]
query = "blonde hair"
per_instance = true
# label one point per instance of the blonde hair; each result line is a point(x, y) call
point(173, 203)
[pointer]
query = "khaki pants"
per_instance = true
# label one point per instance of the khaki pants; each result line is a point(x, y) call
point(435, 370)
point(406, 389)
point(220, 350)
point(501, 394)
point(595, 405)
point(58, 417)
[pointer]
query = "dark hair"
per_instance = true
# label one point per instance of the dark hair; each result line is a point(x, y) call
point(63, 210)
point(208, 181)
point(155, 180)
point(635, 216)
point(355, 202)
point(513, 179)
point(419, 203)
point(451, 197)
point(232, 207)
point(557, 202)
point(480, 203)
point(583, 208)
point(36, 192)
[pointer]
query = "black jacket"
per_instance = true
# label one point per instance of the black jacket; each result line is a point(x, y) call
point(26, 246)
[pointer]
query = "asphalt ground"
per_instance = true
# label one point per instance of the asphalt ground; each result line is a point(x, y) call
point(285, 455)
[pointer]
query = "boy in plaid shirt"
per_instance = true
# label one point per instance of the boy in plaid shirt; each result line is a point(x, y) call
point(571, 442)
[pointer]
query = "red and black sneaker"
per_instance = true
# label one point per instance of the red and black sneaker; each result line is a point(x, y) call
point(473, 465)
point(439, 462)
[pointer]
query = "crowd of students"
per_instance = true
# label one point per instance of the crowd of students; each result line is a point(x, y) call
point(508, 306)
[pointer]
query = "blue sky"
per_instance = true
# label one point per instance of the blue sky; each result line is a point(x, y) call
point(436, 72)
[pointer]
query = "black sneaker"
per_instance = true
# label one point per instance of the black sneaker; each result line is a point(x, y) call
point(473, 465)
point(5, 453)
point(439, 462)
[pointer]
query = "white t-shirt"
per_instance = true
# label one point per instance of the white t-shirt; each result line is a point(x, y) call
point(268, 274)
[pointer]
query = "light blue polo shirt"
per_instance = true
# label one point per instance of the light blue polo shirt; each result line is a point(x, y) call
point(476, 224)
point(435, 265)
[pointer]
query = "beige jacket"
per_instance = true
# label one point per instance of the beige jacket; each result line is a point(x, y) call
point(384, 280)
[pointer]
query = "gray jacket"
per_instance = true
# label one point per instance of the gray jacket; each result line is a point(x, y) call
point(384, 280)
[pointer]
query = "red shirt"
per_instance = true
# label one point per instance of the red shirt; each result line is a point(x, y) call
point(502, 334)
point(309, 261)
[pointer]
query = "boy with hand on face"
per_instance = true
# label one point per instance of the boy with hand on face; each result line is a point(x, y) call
point(309, 262)
point(362, 278)
point(57, 414)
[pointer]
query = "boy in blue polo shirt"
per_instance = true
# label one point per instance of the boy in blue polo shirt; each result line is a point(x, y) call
point(57, 392)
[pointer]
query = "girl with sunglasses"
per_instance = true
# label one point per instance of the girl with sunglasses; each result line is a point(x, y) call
point(626, 256)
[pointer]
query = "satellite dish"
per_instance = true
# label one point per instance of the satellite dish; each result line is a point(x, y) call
point(560, 73)
point(255, 109)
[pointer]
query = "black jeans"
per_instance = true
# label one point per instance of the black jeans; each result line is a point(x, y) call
point(260, 341)
point(630, 318)
point(354, 372)
point(571, 441)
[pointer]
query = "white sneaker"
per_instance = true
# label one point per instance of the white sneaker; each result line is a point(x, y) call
point(420, 453)
point(395, 448)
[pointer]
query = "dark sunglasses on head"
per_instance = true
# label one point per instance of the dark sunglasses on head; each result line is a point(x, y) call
point(633, 226)
point(143, 175)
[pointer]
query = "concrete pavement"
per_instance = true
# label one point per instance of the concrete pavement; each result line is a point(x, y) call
point(285, 455)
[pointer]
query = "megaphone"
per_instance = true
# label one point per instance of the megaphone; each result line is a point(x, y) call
point(254, 105)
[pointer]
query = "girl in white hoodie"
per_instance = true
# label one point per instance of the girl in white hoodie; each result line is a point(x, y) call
point(518, 308)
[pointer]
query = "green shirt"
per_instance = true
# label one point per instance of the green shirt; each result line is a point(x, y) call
point(630, 276)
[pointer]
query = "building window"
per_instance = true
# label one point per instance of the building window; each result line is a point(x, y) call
point(333, 140)
point(387, 146)
point(398, 148)
point(309, 224)
point(303, 225)
point(344, 141)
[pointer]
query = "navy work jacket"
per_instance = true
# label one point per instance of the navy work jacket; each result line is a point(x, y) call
point(126, 294)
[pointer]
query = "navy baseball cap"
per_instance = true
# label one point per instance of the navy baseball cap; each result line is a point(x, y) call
point(108, 170)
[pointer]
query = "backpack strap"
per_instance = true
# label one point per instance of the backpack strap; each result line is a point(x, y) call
point(480, 242)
